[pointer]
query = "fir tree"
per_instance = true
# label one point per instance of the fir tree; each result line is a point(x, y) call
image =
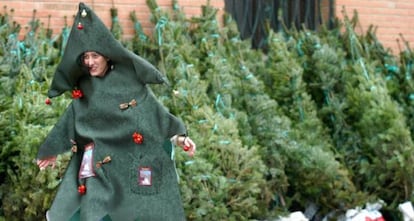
point(373, 136)
point(321, 119)
point(225, 176)
point(27, 119)
point(315, 151)
point(116, 28)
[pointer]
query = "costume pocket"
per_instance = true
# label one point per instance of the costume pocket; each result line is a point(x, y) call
point(146, 176)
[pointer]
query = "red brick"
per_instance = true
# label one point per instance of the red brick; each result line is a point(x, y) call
point(391, 16)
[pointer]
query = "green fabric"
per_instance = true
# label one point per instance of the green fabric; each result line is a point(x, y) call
point(61, 133)
point(76, 217)
point(97, 118)
point(168, 147)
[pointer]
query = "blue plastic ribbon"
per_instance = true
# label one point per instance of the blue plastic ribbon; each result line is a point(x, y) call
point(65, 37)
point(202, 121)
point(389, 77)
point(392, 68)
point(138, 29)
point(176, 7)
point(205, 177)
point(249, 76)
point(408, 70)
point(217, 103)
point(224, 142)
point(232, 180)
point(299, 48)
point(159, 27)
point(215, 35)
point(364, 68)
point(189, 162)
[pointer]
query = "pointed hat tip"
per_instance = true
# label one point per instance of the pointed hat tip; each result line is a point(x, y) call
point(81, 5)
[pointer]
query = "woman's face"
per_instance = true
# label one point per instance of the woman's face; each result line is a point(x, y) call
point(96, 63)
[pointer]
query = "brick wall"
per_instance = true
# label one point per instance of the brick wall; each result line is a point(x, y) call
point(392, 17)
point(58, 9)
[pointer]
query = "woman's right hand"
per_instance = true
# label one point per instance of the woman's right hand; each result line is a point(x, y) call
point(45, 162)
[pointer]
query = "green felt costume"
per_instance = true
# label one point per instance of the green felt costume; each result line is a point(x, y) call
point(96, 118)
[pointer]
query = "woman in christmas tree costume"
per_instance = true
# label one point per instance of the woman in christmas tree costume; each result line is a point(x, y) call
point(120, 135)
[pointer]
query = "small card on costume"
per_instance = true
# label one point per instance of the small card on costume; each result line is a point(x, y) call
point(86, 168)
point(144, 176)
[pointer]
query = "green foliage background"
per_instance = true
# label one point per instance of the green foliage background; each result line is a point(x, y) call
point(322, 120)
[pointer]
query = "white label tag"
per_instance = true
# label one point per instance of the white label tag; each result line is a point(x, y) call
point(86, 168)
point(144, 176)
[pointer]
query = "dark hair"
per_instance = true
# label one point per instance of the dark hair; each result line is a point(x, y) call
point(80, 58)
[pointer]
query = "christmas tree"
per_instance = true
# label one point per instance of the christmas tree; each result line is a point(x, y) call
point(320, 122)
point(26, 67)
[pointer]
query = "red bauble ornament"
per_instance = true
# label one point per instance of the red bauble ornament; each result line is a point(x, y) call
point(82, 189)
point(48, 101)
point(77, 94)
point(80, 26)
point(186, 148)
point(138, 138)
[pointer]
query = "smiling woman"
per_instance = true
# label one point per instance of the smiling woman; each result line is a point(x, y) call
point(120, 135)
point(97, 64)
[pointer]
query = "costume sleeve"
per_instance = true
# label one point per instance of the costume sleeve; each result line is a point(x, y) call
point(175, 126)
point(147, 73)
point(169, 124)
point(58, 140)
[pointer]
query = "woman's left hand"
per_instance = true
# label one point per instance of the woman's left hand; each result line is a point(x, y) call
point(186, 143)
point(189, 146)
